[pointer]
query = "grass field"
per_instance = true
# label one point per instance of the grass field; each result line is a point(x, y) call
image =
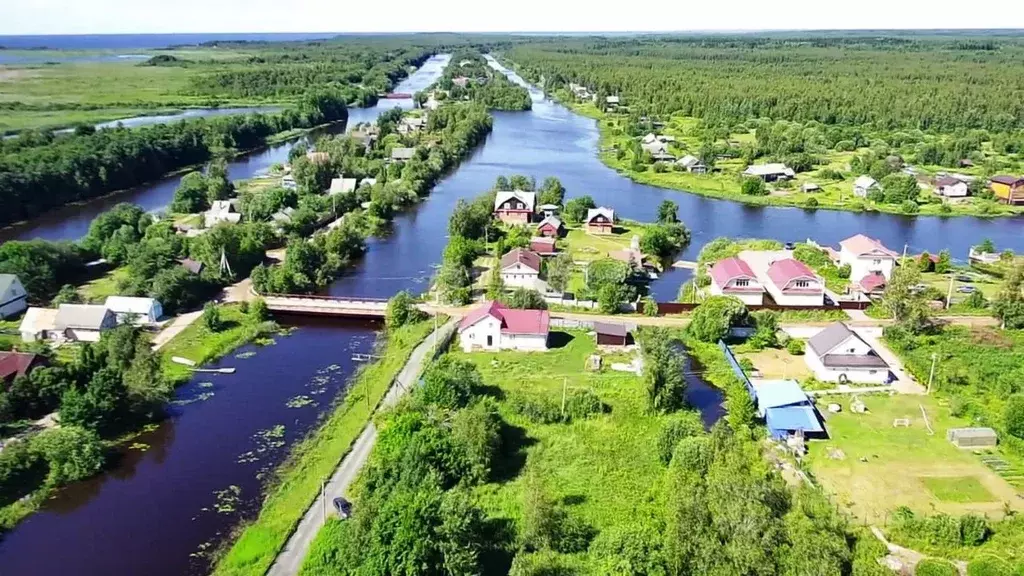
point(872, 467)
point(198, 344)
point(96, 291)
point(297, 481)
point(774, 363)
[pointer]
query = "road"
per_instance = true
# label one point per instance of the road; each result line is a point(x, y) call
point(289, 560)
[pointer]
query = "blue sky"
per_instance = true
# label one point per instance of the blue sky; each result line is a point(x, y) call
point(149, 16)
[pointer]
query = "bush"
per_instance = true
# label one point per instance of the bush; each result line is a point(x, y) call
point(402, 310)
point(673, 431)
point(71, 453)
point(795, 347)
point(973, 529)
point(909, 207)
point(991, 567)
point(525, 299)
point(449, 383)
point(935, 567)
point(1013, 416)
point(633, 549)
point(713, 318)
point(211, 317)
point(540, 564)
point(536, 409)
point(692, 454)
point(811, 202)
point(844, 271)
point(753, 187)
point(581, 404)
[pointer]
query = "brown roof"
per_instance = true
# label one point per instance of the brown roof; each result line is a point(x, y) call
point(525, 257)
point(610, 329)
point(14, 364)
point(1008, 180)
point(947, 181)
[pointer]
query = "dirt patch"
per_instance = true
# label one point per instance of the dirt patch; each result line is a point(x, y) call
point(990, 337)
point(15, 74)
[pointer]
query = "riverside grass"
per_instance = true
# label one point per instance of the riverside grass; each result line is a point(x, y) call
point(297, 480)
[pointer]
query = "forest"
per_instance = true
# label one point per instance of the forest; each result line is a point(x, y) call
point(478, 82)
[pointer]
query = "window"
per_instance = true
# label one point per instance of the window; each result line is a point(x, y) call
point(742, 283)
point(803, 284)
point(876, 262)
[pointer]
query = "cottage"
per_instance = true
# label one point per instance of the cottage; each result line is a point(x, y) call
point(283, 216)
point(515, 206)
point(550, 227)
point(83, 322)
point(402, 154)
point(866, 256)
point(809, 187)
point(15, 364)
point(493, 326)
point(770, 172)
point(838, 354)
point(193, 266)
point(609, 334)
point(611, 102)
point(692, 164)
point(288, 182)
point(1008, 189)
point(733, 277)
point(656, 148)
point(863, 185)
point(139, 310)
point(411, 124)
point(13, 298)
point(221, 211)
point(788, 281)
point(342, 186)
point(650, 137)
point(951, 187)
point(38, 323)
point(872, 284)
point(786, 409)
point(630, 256)
point(973, 438)
point(543, 245)
point(521, 269)
point(600, 220)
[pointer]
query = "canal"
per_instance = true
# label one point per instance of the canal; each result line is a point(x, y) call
point(160, 505)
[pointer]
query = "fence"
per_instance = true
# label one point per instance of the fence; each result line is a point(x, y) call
point(735, 365)
point(681, 307)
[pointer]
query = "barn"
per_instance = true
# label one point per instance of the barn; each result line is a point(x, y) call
point(972, 437)
point(609, 334)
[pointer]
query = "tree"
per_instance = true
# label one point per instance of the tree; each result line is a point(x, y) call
point(191, 195)
point(559, 270)
point(449, 383)
point(715, 316)
point(1008, 305)
point(211, 317)
point(259, 312)
point(218, 185)
point(903, 303)
point(945, 263)
point(986, 246)
point(575, 211)
point(739, 407)
point(145, 385)
point(766, 323)
point(899, 188)
point(525, 299)
point(663, 370)
point(71, 453)
point(68, 294)
point(551, 191)
point(470, 220)
point(401, 310)
point(753, 187)
point(668, 212)
point(611, 297)
point(495, 284)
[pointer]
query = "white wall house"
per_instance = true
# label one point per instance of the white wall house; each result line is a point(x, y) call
point(493, 327)
point(521, 269)
point(866, 256)
point(37, 324)
point(82, 322)
point(863, 185)
point(788, 281)
point(951, 187)
point(139, 310)
point(13, 298)
point(838, 354)
point(733, 277)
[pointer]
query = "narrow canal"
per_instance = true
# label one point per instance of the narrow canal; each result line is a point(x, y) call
point(161, 504)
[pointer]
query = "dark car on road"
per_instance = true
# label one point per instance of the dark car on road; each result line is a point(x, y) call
point(342, 507)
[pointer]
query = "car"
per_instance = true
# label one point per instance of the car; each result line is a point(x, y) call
point(789, 246)
point(342, 507)
point(966, 289)
point(964, 278)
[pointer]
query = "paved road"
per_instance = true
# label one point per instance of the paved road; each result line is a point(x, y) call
point(175, 328)
point(289, 560)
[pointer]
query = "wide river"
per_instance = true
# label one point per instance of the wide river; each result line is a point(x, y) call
point(174, 494)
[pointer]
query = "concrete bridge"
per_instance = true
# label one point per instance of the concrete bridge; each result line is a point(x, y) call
point(313, 305)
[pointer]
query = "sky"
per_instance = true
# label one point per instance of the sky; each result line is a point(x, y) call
point(23, 17)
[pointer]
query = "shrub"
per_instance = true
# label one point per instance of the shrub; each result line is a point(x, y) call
point(650, 306)
point(449, 383)
point(795, 347)
point(581, 404)
point(71, 453)
point(633, 549)
point(536, 409)
point(401, 310)
point(935, 567)
point(973, 529)
point(991, 567)
point(692, 454)
point(844, 271)
point(753, 187)
point(1013, 416)
point(909, 207)
point(811, 203)
point(681, 426)
point(713, 318)
point(211, 317)
point(540, 564)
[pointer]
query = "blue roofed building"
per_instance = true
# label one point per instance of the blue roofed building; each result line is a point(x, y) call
point(786, 409)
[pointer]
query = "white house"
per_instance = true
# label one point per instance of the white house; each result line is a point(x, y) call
point(493, 327)
point(82, 322)
point(863, 185)
point(521, 269)
point(866, 256)
point(140, 310)
point(342, 185)
point(13, 298)
point(770, 172)
point(221, 211)
point(838, 354)
point(288, 182)
point(515, 206)
point(733, 277)
point(38, 323)
point(788, 281)
point(951, 187)
point(692, 164)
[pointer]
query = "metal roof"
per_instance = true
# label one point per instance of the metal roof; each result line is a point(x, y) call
point(777, 393)
point(833, 335)
point(792, 418)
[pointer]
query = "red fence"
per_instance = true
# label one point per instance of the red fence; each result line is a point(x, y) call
point(769, 304)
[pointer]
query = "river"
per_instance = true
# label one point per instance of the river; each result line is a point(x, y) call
point(147, 516)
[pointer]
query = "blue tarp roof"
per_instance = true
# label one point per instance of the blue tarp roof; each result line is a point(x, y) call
point(792, 418)
point(778, 393)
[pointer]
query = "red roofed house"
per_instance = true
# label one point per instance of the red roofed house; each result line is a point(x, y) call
point(493, 326)
point(733, 277)
point(873, 283)
point(521, 269)
point(793, 283)
point(600, 220)
point(514, 207)
point(550, 226)
point(543, 246)
point(14, 364)
point(866, 256)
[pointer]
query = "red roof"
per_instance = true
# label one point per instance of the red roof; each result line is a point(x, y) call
point(861, 244)
point(521, 256)
point(785, 271)
point(14, 364)
point(872, 282)
point(512, 321)
point(543, 245)
point(724, 271)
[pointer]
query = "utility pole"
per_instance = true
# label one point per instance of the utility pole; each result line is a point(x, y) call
point(949, 293)
point(931, 373)
point(323, 498)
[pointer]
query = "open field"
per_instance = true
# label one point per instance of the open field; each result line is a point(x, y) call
point(198, 344)
point(872, 467)
point(776, 363)
point(585, 247)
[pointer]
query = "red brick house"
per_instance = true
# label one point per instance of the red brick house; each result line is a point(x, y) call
point(514, 207)
point(550, 227)
point(600, 220)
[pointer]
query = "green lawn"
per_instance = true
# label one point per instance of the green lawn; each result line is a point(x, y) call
point(198, 344)
point(96, 291)
point(964, 489)
point(585, 247)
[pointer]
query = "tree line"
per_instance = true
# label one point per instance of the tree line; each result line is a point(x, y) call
point(483, 83)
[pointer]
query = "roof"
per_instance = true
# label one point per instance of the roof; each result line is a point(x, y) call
point(6, 280)
point(600, 211)
point(784, 271)
point(629, 256)
point(341, 185)
point(777, 393)
point(549, 207)
point(84, 316)
point(552, 220)
point(831, 336)
point(861, 244)
point(318, 156)
point(37, 320)
point(872, 281)
point(402, 153)
point(981, 432)
point(527, 198)
point(283, 215)
point(768, 169)
point(192, 266)
point(367, 181)
point(520, 256)
point(612, 99)
point(853, 361)
point(610, 329)
point(810, 186)
point(729, 269)
point(512, 321)
point(947, 181)
point(650, 137)
point(1008, 180)
point(221, 207)
point(864, 181)
point(793, 418)
point(542, 240)
point(16, 364)
point(130, 304)
point(689, 161)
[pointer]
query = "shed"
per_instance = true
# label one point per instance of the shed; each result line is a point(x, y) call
point(972, 437)
point(139, 310)
point(609, 334)
point(788, 420)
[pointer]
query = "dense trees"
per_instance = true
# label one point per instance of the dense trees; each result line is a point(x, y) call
point(481, 83)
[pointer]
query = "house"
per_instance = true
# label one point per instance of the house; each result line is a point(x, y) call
point(543, 245)
point(770, 172)
point(786, 409)
point(973, 438)
point(515, 206)
point(793, 283)
point(342, 186)
point(550, 227)
point(863, 185)
point(692, 164)
point(318, 157)
point(37, 324)
point(733, 277)
point(461, 81)
point(1008, 189)
point(283, 216)
point(221, 211)
point(609, 334)
point(866, 256)
point(493, 326)
point(13, 298)
point(611, 102)
point(650, 137)
point(657, 148)
point(548, 210)
point(521, 268)
point(83, 322)
point(631, 256)
point(402, 154)
point(838, 354)
point(873, 283)
point(193, 266)
point(411, 124)
point(15, 364)
point(951, 187)
point(600, 220)
point(288, 182)
point(809, 187)
point(139, 310)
